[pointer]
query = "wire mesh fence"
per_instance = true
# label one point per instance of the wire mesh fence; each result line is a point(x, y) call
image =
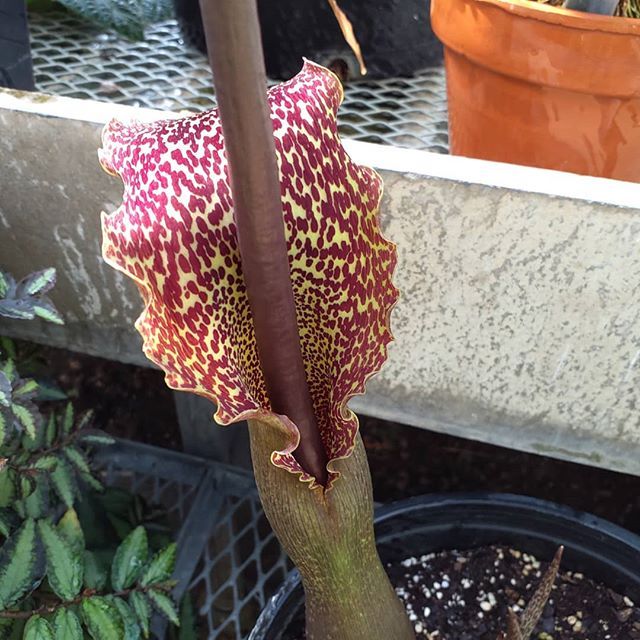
point(73, 59)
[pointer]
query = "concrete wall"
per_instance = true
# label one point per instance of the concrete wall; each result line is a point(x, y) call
point(519, 322)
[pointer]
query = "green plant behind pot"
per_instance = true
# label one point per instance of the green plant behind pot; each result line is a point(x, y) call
point(56, 582)
point(126, 17)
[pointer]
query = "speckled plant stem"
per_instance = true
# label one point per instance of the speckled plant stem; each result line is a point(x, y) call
point(331, 540)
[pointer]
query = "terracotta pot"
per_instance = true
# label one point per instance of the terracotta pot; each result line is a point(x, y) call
point(543, 86)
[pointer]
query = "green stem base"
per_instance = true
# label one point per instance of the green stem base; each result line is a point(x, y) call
point(330, 538)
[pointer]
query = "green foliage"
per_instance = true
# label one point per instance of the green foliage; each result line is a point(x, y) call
point(142, 609)
point(85, 573)
point(161, 567)
point(102, 619)
point(123, 16)
point(26, 300)
point(66, 625)
point(630, 8)
point(130, 559)
point(187, 620)
point(38, 629)
point(65, 566)
point(163, 603)
point(21, 565)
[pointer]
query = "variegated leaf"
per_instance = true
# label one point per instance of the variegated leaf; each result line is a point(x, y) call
point(5, 390)
point(21, 565)
point(37, 283)
point(43, 308)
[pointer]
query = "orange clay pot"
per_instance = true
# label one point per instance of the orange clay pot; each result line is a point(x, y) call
point(542, 86)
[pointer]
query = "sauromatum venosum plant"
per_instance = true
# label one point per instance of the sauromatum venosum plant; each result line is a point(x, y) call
point(199, 231)
point(56, 581)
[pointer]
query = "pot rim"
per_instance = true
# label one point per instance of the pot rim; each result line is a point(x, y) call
point(540, 45)
point(567, 17)
point(510, 500)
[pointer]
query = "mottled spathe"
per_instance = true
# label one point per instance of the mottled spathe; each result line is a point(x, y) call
point(174, 234)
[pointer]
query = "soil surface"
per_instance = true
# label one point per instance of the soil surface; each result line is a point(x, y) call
point(464, 596)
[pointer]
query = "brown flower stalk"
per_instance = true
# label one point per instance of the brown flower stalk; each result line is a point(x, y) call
point(235, 52)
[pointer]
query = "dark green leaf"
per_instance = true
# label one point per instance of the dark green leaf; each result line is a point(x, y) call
point(36, 505)
point(130, 559)
point(97, 437)
point(163, 603)
point(37, 283)
point(45, 463)
point(64, 483)
point(77, 459)
point(65, 568)
point(161, 567)
point(131, 627)
point(5, 390)
point(70, 529)
point(6, 418)
point(8, 367)
point(35, 442)
point(187, 619)
point(7, 487)
point(38, 629)
point(5, 522)
point(142, 609)
point(4, 284)
point(66, 625)
point(93, 482)
point(21, 565)
point(96, 569)
point(51, 431)
point(16, 630)
point(25, 388)
point(102, 619)
point(67, 419)
point(28, 416)
point(6, 625)
point(28, 485)
point(49, 392)
point(8, 348)
point(85, 420)
point(121, 526)
point(43, 308)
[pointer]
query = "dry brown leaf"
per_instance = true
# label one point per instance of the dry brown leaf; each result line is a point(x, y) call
point(347, 31)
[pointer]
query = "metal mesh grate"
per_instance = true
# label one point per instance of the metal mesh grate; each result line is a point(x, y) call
point(228, 558)
point(168, 481)
point(241, 566)
point(75, 60)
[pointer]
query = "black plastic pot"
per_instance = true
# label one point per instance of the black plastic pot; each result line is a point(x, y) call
point(395, 35)
point(595, 547)
point(15, 52)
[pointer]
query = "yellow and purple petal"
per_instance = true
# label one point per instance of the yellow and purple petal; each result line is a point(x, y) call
point(175, 236)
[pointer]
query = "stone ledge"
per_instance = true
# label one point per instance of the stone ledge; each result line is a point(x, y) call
point(519, 322)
